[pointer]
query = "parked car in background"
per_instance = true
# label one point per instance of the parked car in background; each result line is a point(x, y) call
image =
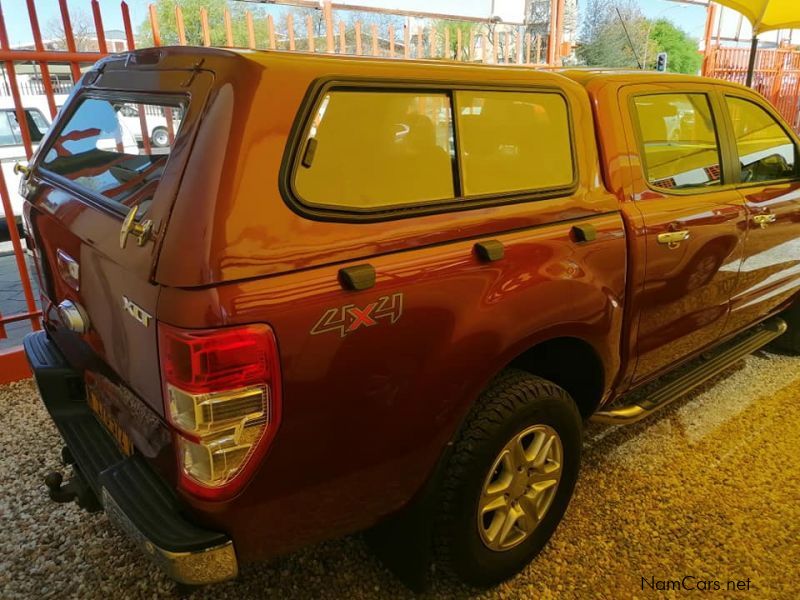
point(12, 150)
point(379, 294)
point(156, 124)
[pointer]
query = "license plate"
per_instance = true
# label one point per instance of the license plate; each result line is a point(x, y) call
point(105, 417)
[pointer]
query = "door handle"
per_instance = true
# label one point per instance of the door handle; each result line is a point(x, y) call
point(673, 239)
point(764, 220)
point(141, 231)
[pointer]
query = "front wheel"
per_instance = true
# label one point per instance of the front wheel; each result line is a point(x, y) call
point(509, 479)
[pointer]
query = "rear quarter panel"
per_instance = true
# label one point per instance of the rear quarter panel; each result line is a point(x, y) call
point(367, 410)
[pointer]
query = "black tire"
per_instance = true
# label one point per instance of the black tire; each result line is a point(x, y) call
point(513, 402)
point(160, 137)
point(790, 341)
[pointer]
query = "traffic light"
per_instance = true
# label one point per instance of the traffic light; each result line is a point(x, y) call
point(661, 61)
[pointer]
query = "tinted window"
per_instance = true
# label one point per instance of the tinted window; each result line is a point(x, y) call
point(766, 152)
point(104, 151)
point(679, 140)
point(513, 141)
point(10, 132)
point(368, 150)
point(7, 137)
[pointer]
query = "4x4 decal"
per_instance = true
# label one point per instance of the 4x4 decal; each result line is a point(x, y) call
point(350, 317)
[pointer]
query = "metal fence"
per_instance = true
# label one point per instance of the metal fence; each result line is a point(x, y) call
point(776, 75)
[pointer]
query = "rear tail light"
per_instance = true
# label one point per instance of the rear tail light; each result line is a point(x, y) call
point(222, 397)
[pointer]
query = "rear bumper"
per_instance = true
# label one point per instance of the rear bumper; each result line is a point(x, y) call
point(133, 496)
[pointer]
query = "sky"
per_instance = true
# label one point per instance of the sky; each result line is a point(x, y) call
point(688, 17)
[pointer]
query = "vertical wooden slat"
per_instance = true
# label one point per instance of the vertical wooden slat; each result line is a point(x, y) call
point(458, 44)
point(154, 25)
point(70, 39)
point(204, 26)
point(342, 38)
point(432, 50)
point(98, 27)
point(312, 46)
point(273, 43)
point(126, 25)
point(328, 13)
point(518, 47)
point(290, 29)
point(495, 46)
point(144, 128)
point(226, 17)
point(406, 41)
point(391, 40)
point(358, 38)
point(471, 49)
point(538, 49)
point(168, 115)
point(420, 48)
point(506, 47)
point(43, 66)
point(179, 25)
point(251, 32)
point(374, 35)
point(528, 47)
point(446, 54)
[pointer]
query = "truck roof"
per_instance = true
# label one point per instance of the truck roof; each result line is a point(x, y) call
point(634, 76)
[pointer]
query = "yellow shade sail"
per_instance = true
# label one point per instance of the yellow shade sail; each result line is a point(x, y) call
point(767, 15)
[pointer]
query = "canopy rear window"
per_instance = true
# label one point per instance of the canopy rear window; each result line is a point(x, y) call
point(115, 148)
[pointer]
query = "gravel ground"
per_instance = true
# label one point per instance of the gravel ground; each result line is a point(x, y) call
point(709, 487)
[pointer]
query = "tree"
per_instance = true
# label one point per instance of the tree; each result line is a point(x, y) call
point(604, 40)
point(82, 32)
point(168, 27)
point(452, 28)
point(682, 51)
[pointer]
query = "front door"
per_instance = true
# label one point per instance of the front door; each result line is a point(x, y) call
point(687, 223)
point(769, 176)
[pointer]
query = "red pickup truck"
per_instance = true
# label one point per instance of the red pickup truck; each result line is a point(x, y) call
point(357, 294)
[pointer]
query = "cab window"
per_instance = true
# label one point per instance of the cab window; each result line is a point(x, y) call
point(371, 150)
point(766, 152)
point(513, 141)
point(679, 141)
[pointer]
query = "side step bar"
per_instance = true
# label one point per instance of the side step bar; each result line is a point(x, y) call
point(631, 413)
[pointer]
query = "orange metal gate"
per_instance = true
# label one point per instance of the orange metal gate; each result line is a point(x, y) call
point(776, 75)
point(49, 69)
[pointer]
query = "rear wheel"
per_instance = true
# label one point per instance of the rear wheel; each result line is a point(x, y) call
point(790, 341)
point(509, 479)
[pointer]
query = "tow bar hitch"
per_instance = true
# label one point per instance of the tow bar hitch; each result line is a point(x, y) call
point(75, 490)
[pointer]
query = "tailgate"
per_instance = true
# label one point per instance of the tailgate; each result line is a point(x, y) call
point(112, 164)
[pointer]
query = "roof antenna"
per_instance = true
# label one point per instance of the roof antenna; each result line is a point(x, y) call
point(630, 42)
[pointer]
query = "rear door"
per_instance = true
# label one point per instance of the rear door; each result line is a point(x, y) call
point(687, 221)
point(94, 170)
point(768, 172)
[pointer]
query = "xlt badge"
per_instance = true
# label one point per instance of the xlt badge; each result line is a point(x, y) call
point(136, 311)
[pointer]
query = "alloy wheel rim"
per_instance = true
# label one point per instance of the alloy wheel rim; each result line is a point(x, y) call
point(520, 487)
point(160, 138)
